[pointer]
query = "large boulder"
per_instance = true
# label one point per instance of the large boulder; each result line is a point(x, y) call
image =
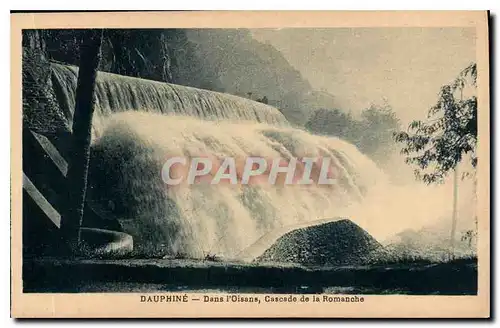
point(327, 244)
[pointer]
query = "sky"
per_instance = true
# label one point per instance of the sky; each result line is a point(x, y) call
point(360, 66)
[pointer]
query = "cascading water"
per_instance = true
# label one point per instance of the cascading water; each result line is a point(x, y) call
point(132, 138)
point(126, 180)
point(117, 93)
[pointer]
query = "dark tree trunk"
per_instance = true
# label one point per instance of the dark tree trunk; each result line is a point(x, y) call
point(82, 123)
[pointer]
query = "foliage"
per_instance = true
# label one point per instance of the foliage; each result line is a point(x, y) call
point(469, 236)
point(164, 55)
point(263, 100)
point(378, 124)
point(39, 101)
point(371, 133)
point(223, 60)
point(439, 144)
point(128, 52)
point(211, 257)
point(332, 122)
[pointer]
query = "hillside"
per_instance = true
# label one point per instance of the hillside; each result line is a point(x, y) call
point(249, 68)
point(229, 61)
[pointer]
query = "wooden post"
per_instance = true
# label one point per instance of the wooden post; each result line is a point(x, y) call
point(90, 53)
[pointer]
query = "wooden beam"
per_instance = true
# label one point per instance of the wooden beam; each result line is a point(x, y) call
point(71, 220)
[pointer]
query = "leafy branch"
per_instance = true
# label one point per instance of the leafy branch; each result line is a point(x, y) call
point(437, 145)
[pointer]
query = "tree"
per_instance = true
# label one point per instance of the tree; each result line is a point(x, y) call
point(378, 124)
point(371, 133)
point(332, 122)
point(82, 123)
point(439, 144)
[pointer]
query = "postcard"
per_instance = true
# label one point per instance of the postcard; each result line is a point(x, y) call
point(250, 164)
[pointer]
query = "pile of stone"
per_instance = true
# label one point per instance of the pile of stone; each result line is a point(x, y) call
point(337, 243)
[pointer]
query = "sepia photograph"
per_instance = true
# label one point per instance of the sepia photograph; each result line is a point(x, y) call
point(250, 169)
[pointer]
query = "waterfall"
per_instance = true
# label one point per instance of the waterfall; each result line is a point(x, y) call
point(117, 93)
point(139, 123)
point(125, 182)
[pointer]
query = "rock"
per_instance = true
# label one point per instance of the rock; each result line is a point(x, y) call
point(327, 244)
